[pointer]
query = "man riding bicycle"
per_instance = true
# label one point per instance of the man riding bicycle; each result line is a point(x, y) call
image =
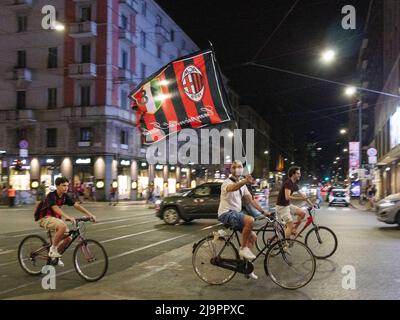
point(51, 214)
point(284, 208)
point(230, 209)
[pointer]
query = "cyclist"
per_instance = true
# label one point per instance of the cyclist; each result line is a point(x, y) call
point(284, 208)
point(51, 214)
point(230, 209)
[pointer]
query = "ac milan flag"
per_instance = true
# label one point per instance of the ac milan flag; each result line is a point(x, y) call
point(186, 93)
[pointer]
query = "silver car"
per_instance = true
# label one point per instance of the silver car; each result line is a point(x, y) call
point(388, 209)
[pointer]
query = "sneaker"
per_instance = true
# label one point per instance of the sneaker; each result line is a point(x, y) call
point(53, 253)
point(60, 263)
point(251, 276)
point(246, 253)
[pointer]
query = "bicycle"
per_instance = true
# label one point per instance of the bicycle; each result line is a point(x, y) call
point(320, 239)
point(289, 263)
point(89, 258)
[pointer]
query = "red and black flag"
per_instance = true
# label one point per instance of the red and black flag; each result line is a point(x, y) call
point(186, 93)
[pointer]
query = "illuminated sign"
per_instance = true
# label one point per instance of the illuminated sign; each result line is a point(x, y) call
point(125, 163)
point(354, 157)
point(83, 161)
point(49, 160)
point(395, 129)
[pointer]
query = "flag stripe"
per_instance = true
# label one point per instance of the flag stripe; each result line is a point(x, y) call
point(207, 100)
point(188, 104)
point(168, 107)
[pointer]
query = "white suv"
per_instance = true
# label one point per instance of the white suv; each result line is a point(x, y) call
point(339, 196)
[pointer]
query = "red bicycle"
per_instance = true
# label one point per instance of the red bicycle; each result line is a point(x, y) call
point(321, 240)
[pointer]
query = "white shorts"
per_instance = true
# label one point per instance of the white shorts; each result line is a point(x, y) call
point(285, 213)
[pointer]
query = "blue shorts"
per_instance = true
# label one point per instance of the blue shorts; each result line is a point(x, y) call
point(234, 219)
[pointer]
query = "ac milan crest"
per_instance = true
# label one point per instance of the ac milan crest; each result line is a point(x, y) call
point(193, 83)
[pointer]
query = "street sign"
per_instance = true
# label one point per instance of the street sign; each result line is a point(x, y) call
point(372, 160)
point(372, 152)
point(23, 153)
point(23, 144)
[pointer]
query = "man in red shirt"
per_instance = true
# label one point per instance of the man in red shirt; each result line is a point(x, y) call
point(51, 217)
point(284, 208)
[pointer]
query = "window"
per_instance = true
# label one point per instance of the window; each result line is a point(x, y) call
point(144, 8)
point(124, 22)
point(21, 100)
point(86, 134)
point(85, 58)
point(159, 51)
point(143, 39)
point(124, 100)
point(52, 98)
point(143, 71)
point(85, 96)
point(51, 138)
point(158, 20)
point(86, 14)
point(124, 59)
point(21, 134)
point(52, 58)
point(124, 137)
point(203, 191)
point(22, 22)
point(21, 57)
point(172, 35)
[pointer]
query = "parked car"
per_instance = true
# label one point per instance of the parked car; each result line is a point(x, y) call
point(199, 203)
point(339, 196)
point(388, 209)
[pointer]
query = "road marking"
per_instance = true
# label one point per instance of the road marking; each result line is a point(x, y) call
point(210, 227)
point(332, 209)
point(130, 235)
point(111, 258)
point(5, 252)
point(346, 209)
point(124, 226)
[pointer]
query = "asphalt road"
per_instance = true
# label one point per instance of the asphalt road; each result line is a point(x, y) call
point(150, 260)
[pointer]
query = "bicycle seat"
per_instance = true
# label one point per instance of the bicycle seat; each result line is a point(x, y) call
point(228, 226)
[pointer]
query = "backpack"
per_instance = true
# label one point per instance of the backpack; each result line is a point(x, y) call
point(39, 208)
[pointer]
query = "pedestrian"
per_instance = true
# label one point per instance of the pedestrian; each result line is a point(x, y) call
point(157, 193)
point(113, 196)
point(11, 192)
point(93, 192)
point(371, 192)
point(319, 187)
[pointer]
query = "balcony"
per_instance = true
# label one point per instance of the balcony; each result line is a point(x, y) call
point(21, 5)
point(84, 29)
point(26, 114)
point(131, 4)
point(124, 74)
point(127, 36)
point(82, 71)
point(23, 74)
point(162, 34)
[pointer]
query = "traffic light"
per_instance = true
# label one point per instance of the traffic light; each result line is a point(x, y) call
point(18, 165)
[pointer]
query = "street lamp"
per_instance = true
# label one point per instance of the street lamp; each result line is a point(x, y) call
point(328, 56)
point(343, 131)
point(350, 91)
point(345, 150)
point(266, 152)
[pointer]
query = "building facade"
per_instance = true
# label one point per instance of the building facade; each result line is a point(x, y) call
point(380, 66)
point(64, 107)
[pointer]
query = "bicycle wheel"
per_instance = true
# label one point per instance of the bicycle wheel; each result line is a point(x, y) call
point(207, 249)
point(90, 260)
point(294, 265)
point(33, 254)
point(322, 241)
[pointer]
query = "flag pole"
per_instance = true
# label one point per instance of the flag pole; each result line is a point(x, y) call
point(230, 107)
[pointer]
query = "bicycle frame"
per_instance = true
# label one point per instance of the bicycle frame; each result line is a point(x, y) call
point(310, 220)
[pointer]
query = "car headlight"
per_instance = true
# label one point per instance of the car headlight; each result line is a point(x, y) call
point(158, 201)
point(387, 204)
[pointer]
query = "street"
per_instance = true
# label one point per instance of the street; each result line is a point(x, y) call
point(151, 260)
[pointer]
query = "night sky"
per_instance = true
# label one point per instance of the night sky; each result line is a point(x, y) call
point(239, 29)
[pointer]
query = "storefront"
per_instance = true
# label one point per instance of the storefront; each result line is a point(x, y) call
point(50, 170)
point(19, 175)
point(171, 179)
point(83, 175)
point(124, 179)
point(143, 180)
